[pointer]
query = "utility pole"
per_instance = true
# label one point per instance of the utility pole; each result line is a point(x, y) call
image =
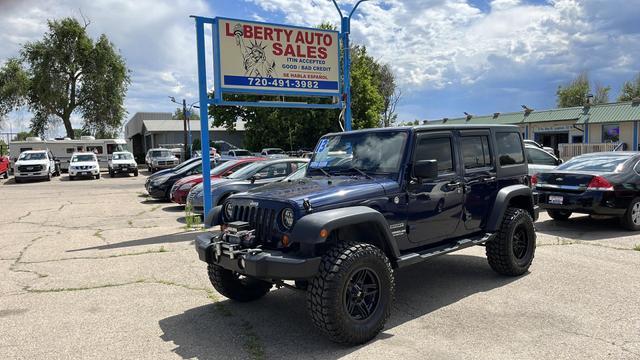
point(184, 116)
point(345, 30)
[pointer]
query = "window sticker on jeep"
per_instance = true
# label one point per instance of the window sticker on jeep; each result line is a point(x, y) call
point(322, 145)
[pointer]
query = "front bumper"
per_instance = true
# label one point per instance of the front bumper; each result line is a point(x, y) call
point(87, 172)
point(179, 196)
point(124, 169)
point(587, 202)
point(157, 191)
point(258, 263)
point(32, 175)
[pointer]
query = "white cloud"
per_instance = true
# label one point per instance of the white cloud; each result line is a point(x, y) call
point(433, 44)
point(156, 38)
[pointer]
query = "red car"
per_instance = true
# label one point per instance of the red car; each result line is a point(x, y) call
point(181, 188)
point(4, 166)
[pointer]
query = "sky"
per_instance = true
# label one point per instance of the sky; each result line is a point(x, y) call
point(449, 56)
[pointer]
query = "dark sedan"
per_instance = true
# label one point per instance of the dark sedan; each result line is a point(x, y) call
point(597, 184)
point(159, 187)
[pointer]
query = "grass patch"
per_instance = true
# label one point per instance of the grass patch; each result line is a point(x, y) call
point(192, 221)
point(637, 247)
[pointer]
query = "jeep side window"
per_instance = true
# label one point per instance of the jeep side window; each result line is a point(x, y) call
point(475, 152)
point(510, 150)
point(439, 149)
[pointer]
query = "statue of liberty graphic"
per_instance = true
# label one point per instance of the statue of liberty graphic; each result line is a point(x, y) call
point(254, 56)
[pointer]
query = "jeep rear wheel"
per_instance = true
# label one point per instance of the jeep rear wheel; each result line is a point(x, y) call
point(350, 298)
point(560, 215)
point(232, 285)
point(513, 248)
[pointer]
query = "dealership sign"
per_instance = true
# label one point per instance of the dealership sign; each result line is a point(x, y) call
point(261, 58)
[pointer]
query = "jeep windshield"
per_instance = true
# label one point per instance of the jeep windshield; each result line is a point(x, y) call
point(375, 152)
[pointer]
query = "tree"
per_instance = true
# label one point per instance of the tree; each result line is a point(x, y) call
point(65, 73)
point(601, 95)
point(575, 93)
point(23, 135)
point(391, 95)
point(177, 115)
point(367, 103)
point(14, 85)
point(630, 89)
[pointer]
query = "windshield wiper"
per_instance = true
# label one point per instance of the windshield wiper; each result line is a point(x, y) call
point(361, 172)
point(323, 171)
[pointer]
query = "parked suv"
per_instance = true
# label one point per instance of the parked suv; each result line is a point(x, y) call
point(122, 162)
point(84, 164)
point(35, 164)
point(373, 201)
point(160, 159)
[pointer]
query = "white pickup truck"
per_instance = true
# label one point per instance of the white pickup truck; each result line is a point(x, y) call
point(35, 164)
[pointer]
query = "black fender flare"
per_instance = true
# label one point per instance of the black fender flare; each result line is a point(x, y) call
point(214, 217)
point(306, 231)
point(504, 198)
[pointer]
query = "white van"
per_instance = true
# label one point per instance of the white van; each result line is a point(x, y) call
point(35, 164)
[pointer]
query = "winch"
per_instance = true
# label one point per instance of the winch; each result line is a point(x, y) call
point(240, 232)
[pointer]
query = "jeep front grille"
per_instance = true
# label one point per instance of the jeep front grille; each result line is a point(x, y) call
point(260, 219)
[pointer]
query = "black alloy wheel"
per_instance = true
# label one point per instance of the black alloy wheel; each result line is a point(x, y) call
point(362, 294)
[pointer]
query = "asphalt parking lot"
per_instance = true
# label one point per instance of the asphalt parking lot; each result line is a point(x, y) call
point(94, 269)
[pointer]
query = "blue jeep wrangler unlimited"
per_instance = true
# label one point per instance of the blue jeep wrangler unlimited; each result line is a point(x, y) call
point(372, 201)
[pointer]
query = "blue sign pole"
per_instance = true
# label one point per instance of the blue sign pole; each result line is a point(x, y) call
point(204, 115)
point(345, 30)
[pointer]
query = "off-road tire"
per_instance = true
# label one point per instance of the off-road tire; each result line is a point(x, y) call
point(135, 173)
point(17, 180)
point(6, 174)
point(71, 178)
point(228, 284)
point(502, 251)
point(328, 291)
point(48, 177)
point(560, 215)
point(627, 219)
point(98, 177)
point(111, 174)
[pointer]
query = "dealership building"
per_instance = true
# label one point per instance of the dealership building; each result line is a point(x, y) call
point(571, 131)
point(146, 130)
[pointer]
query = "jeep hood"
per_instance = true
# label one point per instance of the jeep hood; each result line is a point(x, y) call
point(323, 192)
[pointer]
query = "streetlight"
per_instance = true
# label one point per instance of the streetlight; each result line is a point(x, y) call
point(345, 30)
point(187, 123)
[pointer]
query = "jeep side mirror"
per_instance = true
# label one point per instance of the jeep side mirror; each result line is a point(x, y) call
point(426, 169)
point(559, 162)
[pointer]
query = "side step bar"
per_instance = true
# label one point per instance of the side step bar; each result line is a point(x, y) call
point(416, 257)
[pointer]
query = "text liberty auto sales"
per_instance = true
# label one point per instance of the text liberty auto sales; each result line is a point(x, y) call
point(304, 47)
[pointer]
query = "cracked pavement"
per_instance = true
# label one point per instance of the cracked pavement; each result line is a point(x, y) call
point(94, 269)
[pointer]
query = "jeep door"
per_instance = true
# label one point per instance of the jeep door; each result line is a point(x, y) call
point(435, 205)
point(480, 184)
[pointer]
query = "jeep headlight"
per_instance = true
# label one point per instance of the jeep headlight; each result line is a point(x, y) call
point(287, 218)
point(228, 211)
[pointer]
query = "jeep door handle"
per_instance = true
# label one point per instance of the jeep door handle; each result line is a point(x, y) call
point(454, 184)
point(487, 179)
